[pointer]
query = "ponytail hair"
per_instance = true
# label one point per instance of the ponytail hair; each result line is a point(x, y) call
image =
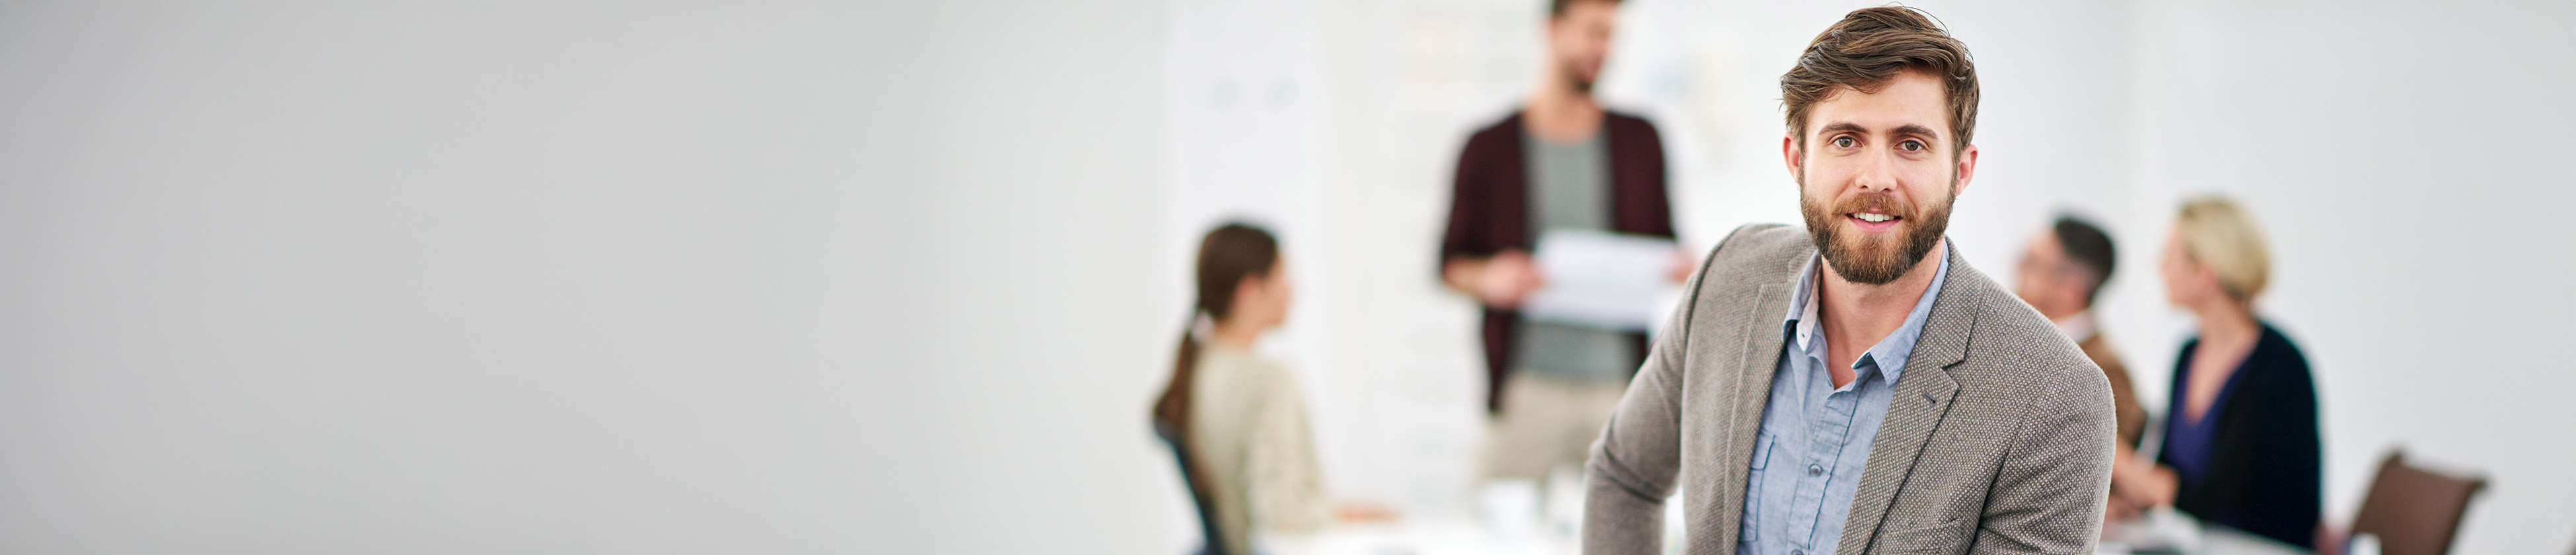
point(1227, 256)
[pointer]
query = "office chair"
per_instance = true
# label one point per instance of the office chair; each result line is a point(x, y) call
point(2414, 511)
point(1213, 542)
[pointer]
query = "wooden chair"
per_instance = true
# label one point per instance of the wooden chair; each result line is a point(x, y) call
point(2414, 511)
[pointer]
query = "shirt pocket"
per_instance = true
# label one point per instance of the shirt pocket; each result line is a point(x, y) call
point(1946, 537)
point(1746, 531)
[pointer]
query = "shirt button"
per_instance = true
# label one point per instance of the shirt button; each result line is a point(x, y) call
point(1813, 470)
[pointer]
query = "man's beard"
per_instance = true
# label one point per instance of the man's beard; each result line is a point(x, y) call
point(1574, 78)
point(1874, 261)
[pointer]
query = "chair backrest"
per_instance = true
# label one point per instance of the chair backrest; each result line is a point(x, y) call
point(2414, 511)
point(1214, 539)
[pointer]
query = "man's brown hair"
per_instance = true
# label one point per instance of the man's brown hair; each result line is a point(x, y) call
point(1556, 8)
point(1871, 46)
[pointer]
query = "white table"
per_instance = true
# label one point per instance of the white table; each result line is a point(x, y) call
point(1427, 537)
point(1466, 536)
point(2164, 528)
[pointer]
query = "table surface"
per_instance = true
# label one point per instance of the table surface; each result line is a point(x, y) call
point(1432, 537)
point(2167, 531)
point(2175, 532)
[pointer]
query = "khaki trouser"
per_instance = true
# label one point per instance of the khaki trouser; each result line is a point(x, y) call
point(1546, 422)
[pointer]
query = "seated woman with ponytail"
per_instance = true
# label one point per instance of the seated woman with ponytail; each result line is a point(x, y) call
point(1240, 420)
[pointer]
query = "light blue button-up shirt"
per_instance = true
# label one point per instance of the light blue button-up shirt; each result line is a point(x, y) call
point(1816, 437)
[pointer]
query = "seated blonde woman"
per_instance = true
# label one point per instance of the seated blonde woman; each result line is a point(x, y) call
point(2240, 447)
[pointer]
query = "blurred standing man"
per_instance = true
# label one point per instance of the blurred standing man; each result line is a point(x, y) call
point(1561, 162)
point(1857, 387)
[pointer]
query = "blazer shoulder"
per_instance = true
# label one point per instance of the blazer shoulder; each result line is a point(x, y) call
point(1765, 242)
point(2278, 367)
point(2277, 348)
point(1497, 133)
point(1750, 257)
point(2015, 342)
point(1626, 124)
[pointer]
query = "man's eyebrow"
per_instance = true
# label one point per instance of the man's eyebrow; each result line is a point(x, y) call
point(1911, 129)
point(1907, 129)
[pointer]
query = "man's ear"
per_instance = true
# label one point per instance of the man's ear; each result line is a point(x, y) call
point(1967, 170)
point(1789, 155)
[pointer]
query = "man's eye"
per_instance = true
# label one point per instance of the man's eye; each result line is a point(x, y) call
point(1911, 146)
point(1845, 142)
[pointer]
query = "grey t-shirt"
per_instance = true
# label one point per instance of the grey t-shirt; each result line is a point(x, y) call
point(1570, 189)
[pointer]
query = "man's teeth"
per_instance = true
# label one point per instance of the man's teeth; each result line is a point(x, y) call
point(1872, 218)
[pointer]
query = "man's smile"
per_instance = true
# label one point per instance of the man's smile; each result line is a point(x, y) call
point(1873, 221)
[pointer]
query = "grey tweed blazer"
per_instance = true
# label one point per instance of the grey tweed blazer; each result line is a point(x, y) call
point(1998, 439)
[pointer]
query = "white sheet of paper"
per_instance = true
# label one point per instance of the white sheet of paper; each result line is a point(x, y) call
point(1600, 279)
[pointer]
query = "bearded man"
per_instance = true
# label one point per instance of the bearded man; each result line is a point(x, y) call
point(1562, 162)
point(1858, 388)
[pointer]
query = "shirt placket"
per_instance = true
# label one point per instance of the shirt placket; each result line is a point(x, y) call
point(1829, 431)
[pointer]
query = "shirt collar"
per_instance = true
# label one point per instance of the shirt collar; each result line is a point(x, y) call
point(1889, 354)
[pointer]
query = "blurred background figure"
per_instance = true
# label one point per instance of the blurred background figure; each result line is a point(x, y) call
point(2061, 274)
point(2241, 446)
point(1239, 421)
point(1561, 162)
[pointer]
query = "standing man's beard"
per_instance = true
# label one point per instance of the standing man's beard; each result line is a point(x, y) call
point(1574, 77)
point(1867, 261)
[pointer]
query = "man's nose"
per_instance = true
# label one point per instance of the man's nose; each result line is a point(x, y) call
point(1877, 171)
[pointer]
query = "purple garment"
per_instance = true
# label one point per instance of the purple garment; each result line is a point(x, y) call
point(2188, 444)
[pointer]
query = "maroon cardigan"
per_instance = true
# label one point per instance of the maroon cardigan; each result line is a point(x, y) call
point(1489, 211)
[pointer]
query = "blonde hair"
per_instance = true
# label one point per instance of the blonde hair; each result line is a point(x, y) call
point(2220, 235)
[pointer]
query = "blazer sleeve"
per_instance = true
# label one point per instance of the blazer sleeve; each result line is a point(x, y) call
point(1653, 194)
point(1634, 462)
point(2049, 495)
point(1470, 216)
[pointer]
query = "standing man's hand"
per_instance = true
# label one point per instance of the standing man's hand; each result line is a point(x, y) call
point(1507, 279)
point(1683, 265)
point(1501, 281)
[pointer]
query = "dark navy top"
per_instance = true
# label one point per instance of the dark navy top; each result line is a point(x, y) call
point(2253, 461)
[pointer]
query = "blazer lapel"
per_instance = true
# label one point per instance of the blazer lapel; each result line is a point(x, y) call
point(1745, 399)
point(1914, 409)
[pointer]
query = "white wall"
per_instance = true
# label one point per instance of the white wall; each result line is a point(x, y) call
point(580, 277)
